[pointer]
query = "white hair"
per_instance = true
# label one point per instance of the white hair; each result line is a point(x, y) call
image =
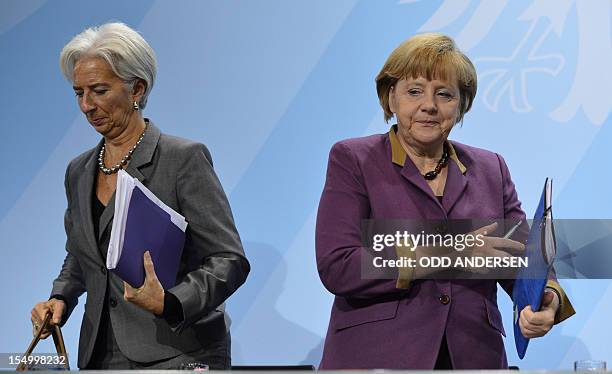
point(124, 49)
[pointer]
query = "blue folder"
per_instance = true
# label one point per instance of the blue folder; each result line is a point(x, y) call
point(149, 228)
point(531, 280)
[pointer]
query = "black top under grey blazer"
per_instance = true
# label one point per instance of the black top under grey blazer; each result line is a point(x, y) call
point(213, 264)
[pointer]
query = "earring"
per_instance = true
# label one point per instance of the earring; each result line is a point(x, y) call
point(136, 106)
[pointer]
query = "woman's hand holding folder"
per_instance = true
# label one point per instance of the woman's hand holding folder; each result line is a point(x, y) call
point(150, 296)
point(537, 324)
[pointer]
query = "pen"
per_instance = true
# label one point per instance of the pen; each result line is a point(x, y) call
point(513, 229)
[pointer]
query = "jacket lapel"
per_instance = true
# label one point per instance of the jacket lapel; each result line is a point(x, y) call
point(141, 157)
point(409, 170)
point(456, 182)
point(106, 216)
point(85, 191)
point(412, 175)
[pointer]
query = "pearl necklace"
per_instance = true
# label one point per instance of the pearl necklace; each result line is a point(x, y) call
point(124, 160)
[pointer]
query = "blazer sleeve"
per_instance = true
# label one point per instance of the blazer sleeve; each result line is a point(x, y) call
point(344, 204)
point(69, 284)
point(212, 239)
point(512, 210)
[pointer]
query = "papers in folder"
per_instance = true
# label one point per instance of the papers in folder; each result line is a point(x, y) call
point(540, 250)
point(143, 223)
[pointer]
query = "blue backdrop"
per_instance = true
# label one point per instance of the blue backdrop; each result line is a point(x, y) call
point(269, 86)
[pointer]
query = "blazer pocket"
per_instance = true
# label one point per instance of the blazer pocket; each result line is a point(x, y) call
point(344, 315)
point(494, 317)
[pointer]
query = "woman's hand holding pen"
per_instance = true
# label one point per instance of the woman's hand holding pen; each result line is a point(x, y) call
point(496, 246)
point(493, 246)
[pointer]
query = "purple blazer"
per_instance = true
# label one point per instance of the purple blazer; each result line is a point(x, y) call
point(375, 324)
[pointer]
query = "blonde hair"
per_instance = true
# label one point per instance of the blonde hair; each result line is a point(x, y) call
point(124, 49)
point(432, 56)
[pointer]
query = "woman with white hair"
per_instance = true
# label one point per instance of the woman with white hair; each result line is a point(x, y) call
point(112, 70)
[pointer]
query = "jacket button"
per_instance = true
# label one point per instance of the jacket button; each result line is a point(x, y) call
point(113, 302)
point(444, 299)
point(103, 270)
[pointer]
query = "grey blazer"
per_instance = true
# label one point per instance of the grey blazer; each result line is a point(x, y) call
point(212, 266)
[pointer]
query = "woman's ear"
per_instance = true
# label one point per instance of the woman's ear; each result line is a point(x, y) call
point(138, 90)
point(392, 105)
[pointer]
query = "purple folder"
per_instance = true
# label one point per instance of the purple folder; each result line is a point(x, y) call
point(149, 228)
